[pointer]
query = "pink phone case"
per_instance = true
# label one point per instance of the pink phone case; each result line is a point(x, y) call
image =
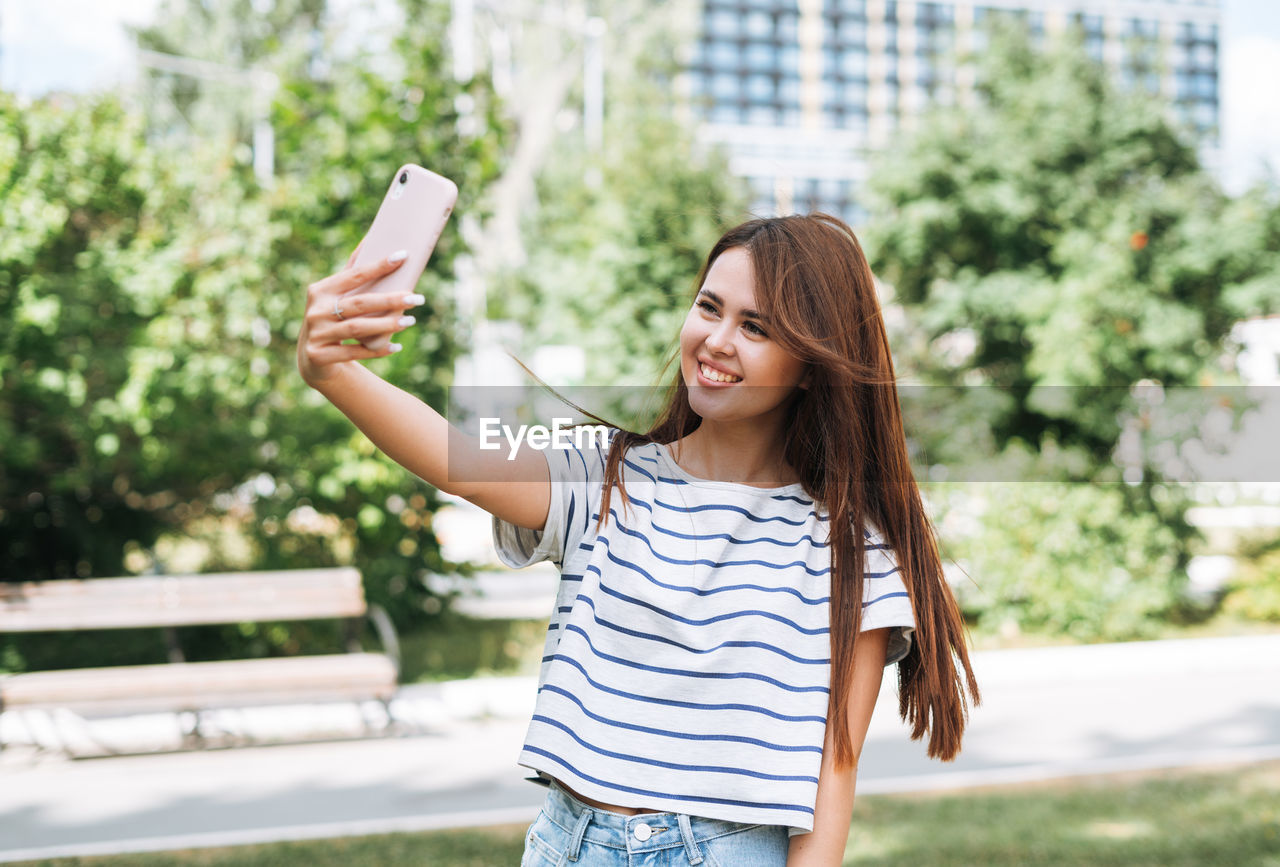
point(412, 216)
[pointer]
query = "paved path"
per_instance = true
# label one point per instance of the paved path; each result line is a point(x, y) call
point(1046, 713)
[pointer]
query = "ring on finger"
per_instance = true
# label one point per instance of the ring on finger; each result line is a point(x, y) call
point(337, 311)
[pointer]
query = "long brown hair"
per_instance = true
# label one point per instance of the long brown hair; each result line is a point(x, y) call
point(845, 438)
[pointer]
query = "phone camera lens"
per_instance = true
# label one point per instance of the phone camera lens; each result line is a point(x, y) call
point(404, 177)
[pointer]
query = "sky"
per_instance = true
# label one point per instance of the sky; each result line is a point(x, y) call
point(81, 44)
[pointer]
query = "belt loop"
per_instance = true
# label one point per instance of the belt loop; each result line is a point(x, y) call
point(690, 845)
point(579, 830)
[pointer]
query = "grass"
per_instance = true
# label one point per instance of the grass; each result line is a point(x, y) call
point(1174, 818)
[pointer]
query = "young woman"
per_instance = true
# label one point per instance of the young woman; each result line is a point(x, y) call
point(733, 581)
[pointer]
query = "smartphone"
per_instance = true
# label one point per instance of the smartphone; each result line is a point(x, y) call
point(412, 216)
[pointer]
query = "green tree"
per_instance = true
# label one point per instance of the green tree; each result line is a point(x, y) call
point(150, 293)
point(1053, 246)
point(617, 236)
point(1065, 230)
point(285, 38)
point(128, 285)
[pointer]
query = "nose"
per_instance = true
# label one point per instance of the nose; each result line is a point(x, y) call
point(720, 338)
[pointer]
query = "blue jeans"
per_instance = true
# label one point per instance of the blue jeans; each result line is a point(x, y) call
point(568, 831)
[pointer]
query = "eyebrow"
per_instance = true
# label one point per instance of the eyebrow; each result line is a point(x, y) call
point(747, 312)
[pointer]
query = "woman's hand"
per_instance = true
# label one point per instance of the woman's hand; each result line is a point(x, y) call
point(321, 350)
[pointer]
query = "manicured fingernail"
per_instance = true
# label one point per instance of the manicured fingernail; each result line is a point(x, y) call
point(414, 300)
point(406, 321)
point(396, 347)
point(398, 256)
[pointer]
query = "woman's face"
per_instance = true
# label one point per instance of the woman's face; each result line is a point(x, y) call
point(733, 369)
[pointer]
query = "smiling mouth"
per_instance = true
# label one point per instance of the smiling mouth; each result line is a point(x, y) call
point(717, 376)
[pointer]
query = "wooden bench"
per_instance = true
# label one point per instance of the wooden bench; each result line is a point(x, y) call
point(188, 600)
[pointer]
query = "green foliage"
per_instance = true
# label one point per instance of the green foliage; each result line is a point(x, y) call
point(457, 646)
point(1054, 245)
point(340, 140)
point(280, 37)
point(617, 240)
point(128, 284)
point(1064, 559)
point(1254, 593)
point(1067, 228)
point(150, 402)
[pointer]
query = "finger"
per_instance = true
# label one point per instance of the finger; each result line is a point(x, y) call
point(361, 328)
point(371, 303)
point(353, 278)
point(339, 352)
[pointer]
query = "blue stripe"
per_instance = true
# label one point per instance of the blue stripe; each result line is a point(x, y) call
point(670, 702)
point(746, 612)
point(639, 470)
point(680, 672)
point(651, 793)
point(885, 596)
point(700, 591)
point(727, 536)
point(802, 501)
point(568, 524)
point(723, 507)
point(682, 735)
point(664, 640)
point(713, 563)
point(586, 475)
point(675, 766)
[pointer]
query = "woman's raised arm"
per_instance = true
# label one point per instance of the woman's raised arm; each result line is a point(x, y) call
point(414, 435)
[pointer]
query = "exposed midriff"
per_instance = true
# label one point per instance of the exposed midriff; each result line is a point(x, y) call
point(612, 808)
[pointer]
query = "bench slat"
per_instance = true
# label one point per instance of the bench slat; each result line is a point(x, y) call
point(181, 600)
point(202, 685)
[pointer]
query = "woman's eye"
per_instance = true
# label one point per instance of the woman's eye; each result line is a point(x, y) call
point(756, 329)
point(707, 306)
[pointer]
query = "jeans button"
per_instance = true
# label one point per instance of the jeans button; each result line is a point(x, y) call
point(643, 832)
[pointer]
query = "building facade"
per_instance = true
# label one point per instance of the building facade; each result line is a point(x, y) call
point(800, 92)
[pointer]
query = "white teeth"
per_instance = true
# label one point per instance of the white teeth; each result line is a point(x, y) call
point(717, 376)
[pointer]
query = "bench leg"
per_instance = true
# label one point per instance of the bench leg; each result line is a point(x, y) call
point(190, 725)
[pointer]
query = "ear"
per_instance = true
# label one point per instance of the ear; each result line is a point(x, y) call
point(807, 378)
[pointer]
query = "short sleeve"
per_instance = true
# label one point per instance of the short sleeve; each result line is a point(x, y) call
point(885, 601)
point(577, 475)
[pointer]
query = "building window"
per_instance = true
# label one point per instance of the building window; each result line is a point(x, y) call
point(848, 33)
point(761, 57)
point(722, 24)
point(722, 56)
point(785, 27)
point(724, 86)
point(789, 91)
point(853, 64)
point(758, 25)
point(725, 112)
point(760, 88)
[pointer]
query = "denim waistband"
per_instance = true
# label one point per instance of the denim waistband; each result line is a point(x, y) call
point(605, 828)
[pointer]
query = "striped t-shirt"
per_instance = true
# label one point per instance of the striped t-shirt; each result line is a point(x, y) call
point(687, 661)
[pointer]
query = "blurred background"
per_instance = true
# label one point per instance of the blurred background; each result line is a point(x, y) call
point(1072, 207)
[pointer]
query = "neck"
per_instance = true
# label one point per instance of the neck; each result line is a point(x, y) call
point(735, 452)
